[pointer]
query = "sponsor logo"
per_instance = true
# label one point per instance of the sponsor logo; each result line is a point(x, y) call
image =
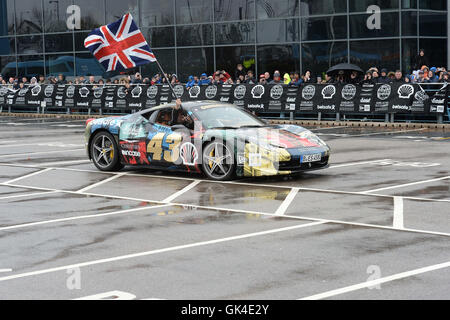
point(254, 160)
point(128, 153)
point(226, 87)
point(258, 91)
point(3, 91)
point(240, 91)
point(98, 92)
point(400, 107)
point(366, 100)
point(421, 96)
point(152, 91)
point(276, 92)
point(405, 91)
point(211, 92)
point(84, 92)
point(121, 92)
point(49, 90)
point(179, 90)
point(349, 92)
point(326, 107)
point(308, 92)
point(240, 159)
point(194, 92)
point(290, 100)
point(328, 92)
point(255, 106)
point(70, 93)
point(189, 154)
point(224, 99)
point(384, 92)
point(136, 92)
point(23, 92)
point(438, 101)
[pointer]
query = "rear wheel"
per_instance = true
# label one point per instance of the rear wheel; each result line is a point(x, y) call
point(105, 153)
point(218, 162)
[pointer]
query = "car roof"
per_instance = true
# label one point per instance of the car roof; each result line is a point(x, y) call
point(188, 105)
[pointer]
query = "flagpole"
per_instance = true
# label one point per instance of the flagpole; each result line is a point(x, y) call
point(164, 75)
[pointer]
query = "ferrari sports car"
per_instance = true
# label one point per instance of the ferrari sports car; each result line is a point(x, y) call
point(220, 140)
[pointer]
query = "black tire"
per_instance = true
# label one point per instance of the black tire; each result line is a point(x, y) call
point(104, 152)
point(218, 170)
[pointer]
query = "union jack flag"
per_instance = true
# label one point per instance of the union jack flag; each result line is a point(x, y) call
point(120, 45)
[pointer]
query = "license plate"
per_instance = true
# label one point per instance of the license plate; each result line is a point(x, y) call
point(311, 158)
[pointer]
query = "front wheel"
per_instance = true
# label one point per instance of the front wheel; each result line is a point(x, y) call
point(218, 162)
point(105, 153)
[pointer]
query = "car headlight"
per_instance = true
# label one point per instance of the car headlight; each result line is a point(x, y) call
point(312, 137)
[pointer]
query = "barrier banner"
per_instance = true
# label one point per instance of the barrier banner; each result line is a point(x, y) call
point(438, 103)
point(276, 98)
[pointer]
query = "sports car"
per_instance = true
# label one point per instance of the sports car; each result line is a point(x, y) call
point(220, 140)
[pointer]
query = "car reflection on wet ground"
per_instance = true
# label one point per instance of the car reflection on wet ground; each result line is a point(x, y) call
point(375, 225)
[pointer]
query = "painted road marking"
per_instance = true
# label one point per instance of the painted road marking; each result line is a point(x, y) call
point(61, 163)
point(398, 213)
point(192, 206)
point(92, 216)
point(376, 282)
point(29, 154)
point(181, 192)
point(287, 202)
point(5, 270)
point(95, 185)
point(159, 251)
point(357, 164)
point(112, 295)
point(407, 185)
point(28, 176)
point(29, 195)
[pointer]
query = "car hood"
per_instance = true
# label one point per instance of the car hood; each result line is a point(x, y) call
point(282, 136)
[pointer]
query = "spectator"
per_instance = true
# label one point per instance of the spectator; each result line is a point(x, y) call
point(239, 71)
point(287, 79)
point(340, 78)
point(33, 81)
point(267, 77)
point(383, 78)
point(445, 78)
point(262, 79)
point(241, 79)
point(398, 77)
point(375, 76)
point(91, 80)
point(24, 80)
point(367, 78)
point(354, 78)
point(42, 79)
point(16, 85)
point(204, 80)
point(190, 83)
point(296, 80)
point(61, 79)
point(216, 79)
point(307, 77)
point(276, 78)
point(421, 60)
point(137, 78)
point(250, 78)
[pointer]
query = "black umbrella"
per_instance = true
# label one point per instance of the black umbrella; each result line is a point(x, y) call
point(346, 67)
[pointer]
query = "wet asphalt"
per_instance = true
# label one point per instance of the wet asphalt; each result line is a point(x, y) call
point(381, 213)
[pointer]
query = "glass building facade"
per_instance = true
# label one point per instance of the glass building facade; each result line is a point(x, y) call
point(196, 36)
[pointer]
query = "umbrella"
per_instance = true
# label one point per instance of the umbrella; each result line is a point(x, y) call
point(346, 67)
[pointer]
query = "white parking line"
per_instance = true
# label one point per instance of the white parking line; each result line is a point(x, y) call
point(356, 164)
point(398, 213)
point(181, 192)
point(5, 270)
point(385, 132)
point(38, 153)
point(287, 202)
point(92, 216)
point(27, 176)
point(268, 214)
point(406, 185)
point(159, 251)
point(62, 163)
point(379, 281)
point(28, 195)
point(95, 185)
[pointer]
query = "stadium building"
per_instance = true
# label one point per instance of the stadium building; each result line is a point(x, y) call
point(196, 36)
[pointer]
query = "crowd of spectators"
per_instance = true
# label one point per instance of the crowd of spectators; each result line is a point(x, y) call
point(421, 73)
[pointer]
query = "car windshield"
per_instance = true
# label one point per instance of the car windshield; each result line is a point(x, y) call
point(222, 116)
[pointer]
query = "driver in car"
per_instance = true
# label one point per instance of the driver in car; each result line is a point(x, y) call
point(180, 116)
